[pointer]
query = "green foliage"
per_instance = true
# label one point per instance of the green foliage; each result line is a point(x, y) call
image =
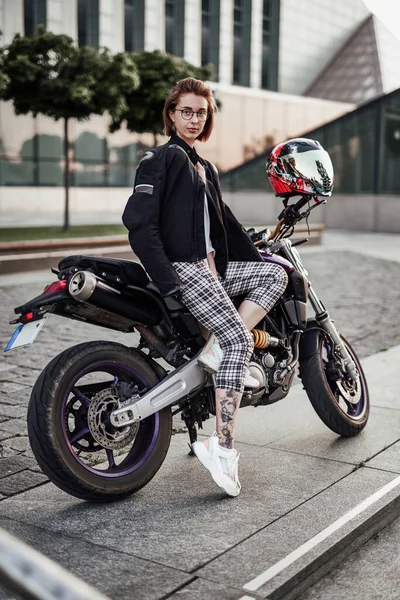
point(158, 73)
point(49, 75)
point(9, 234)
point(4, 79)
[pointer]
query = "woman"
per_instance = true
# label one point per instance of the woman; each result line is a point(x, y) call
point(189, 242)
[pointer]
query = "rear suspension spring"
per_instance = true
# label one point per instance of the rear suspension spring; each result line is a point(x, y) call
point(262, 339)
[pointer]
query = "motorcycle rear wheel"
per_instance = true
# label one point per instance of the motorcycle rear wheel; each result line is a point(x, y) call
point(341, 416)
point(58, 423)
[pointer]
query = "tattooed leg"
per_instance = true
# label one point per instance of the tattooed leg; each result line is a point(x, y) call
point(227, 404)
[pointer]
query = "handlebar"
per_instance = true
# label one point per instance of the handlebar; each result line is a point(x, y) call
point(291, 214)
point(288, 217)
point(302, 202)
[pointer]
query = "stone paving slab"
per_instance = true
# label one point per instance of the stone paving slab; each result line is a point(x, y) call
point(15, 426)
point(277, 540)
point(14, 393)
point(181, 517)
point(382, 373)
point(382, 430)
point(15, 446)
point(116, 574)
point(14, 464)
point(19, 482)
point(388, 460)
point(12, 411)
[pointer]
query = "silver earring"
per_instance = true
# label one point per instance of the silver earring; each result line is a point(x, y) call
point(173, 128)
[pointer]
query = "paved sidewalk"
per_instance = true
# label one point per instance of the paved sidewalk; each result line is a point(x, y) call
point(178, 537)
point(384, 246)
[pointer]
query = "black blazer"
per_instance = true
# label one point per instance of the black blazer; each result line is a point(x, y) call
point(165, 215)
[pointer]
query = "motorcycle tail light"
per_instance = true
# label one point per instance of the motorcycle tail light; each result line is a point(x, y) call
point(56, 286)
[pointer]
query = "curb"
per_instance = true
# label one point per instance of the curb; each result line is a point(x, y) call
point(32, 255)
point(54, 244)
point(299, 576)
point(37, 261)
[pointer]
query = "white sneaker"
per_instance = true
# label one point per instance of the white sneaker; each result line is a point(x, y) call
point(222, 464)
point(211, 361)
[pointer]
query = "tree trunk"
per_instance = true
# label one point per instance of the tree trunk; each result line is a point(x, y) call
point(66, 176)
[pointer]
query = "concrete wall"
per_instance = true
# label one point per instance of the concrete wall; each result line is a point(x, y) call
point(352, 212)
point(105, 205)
point(249, 122)
point(45, 205)
point(252, 120)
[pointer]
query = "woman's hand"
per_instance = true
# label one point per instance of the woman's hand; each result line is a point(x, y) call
point(201, 171)
point(211, 264)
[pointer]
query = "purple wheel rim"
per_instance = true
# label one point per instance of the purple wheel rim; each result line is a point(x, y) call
point(354, 411)
point(109, 367)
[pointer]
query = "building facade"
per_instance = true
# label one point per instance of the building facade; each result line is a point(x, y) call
point(266, 55)
point(278, 45)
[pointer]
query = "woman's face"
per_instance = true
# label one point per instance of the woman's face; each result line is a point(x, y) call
point(189, 128)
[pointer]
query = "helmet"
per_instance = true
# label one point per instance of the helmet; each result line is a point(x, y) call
point(300, 166)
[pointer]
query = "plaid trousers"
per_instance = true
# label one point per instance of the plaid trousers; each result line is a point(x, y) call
point(209, 300)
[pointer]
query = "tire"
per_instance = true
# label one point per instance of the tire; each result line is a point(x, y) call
point(341, 416)
point(58, 423)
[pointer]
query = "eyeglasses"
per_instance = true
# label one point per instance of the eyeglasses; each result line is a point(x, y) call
point(187, 114)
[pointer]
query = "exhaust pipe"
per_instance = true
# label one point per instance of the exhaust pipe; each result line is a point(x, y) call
point(85, 287)
point(83, 284)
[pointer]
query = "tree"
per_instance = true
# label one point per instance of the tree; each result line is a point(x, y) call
point(4, 79)
point(47, 74)
point(158, 73)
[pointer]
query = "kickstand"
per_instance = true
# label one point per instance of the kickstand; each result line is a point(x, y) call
point(193, 438)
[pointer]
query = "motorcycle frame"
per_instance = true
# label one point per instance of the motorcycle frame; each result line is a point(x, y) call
point(189, 377)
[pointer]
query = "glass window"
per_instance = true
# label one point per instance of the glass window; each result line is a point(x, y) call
point(134, 25)
point(87, 174)
point(88, 23)
point(270, 45)
point(49, 147)
point(210, 15)
point(18, 172)
point(241, 41)
point(34, 15)
point(390, 155)
point(90, 147)
point(174, 26)
point(51, 173)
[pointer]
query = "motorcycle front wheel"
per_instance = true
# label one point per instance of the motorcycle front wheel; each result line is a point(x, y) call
point(342, 405)
point(69, 426)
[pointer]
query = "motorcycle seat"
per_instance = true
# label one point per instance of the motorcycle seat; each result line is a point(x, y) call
point(126, 272)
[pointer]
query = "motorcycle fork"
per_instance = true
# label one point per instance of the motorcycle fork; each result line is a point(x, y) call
point(321, 314)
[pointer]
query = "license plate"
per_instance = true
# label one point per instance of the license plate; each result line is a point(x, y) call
point(25, 335)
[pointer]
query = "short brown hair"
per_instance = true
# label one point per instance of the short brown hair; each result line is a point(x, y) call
point(190, 85)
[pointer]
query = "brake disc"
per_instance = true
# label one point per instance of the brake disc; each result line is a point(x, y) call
point(350, 391)
point(98, 416)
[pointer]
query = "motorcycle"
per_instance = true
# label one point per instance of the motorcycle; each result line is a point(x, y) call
point(100, 413)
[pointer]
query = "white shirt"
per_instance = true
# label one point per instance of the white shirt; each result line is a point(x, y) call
point(209, 246)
